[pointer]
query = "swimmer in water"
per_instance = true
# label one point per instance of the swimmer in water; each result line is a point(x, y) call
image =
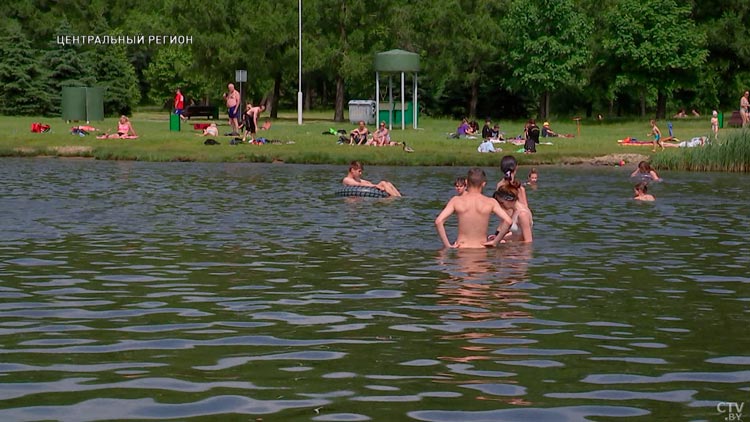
point(473, 210)
point(353, 178)
point(460, 185)
point(641, 192)
point(520, 230)
point(645, 171)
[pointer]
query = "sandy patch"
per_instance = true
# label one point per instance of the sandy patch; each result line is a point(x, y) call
point(25, 150)
point(615, 159)
point(72, 150)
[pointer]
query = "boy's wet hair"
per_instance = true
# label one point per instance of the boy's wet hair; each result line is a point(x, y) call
point(460, 181)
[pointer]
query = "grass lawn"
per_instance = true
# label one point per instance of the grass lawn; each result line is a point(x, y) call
point(432, 147)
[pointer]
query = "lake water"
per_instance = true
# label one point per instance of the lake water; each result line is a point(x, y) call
point(185, 291)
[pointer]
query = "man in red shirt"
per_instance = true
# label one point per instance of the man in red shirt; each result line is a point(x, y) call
point(179, 104)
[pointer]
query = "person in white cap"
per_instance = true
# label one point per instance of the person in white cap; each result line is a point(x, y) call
point(715, 125)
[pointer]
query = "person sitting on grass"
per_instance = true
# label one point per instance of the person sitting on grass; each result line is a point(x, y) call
point(495, 134)
point(381, 137)
point(211, 130)
point(547, 131)
point(358, 136)
point(124, 130)
point(487, 146)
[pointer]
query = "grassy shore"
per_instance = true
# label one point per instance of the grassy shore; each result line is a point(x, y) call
point(596, 142)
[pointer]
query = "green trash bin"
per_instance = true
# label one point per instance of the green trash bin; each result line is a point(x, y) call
point(721, 119)
point(174, 122)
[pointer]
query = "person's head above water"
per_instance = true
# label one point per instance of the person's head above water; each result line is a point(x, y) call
point(533, 176)
point(508, 166)
point(644, 167)
point(641, 187)
point(476, 178)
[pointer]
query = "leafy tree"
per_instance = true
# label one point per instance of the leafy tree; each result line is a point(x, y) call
point(67, 65)
point(656, 46)
point(172, 68)
point(23, 79)
point(472, 32)
point(116, 75)
point(549, 49)
point(727, 71)
point(349, 33)
point(219, 44)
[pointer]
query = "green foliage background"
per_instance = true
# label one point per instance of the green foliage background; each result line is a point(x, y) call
point(499, 58)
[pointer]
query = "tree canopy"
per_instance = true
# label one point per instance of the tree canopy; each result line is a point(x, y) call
point(499, 58)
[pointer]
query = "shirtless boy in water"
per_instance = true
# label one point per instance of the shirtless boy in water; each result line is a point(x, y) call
point(473, 210)
point(354, 178)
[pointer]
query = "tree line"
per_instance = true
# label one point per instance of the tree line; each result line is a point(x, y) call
point(500, 58)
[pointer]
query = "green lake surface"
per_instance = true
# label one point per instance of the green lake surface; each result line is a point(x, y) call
point(188, 291)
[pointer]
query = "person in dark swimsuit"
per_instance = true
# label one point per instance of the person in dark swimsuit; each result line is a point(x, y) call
point(532, 137)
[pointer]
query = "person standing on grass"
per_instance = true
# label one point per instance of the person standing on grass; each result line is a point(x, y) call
point(745, 108)
point(531, 131)
point(715, 125)
point(656, 133)
point(250, 121)
point(232, 99)
point(179, 104)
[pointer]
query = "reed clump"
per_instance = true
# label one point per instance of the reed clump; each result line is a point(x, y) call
point(729, 154)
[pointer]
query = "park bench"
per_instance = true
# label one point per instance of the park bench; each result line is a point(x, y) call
point(211, 112)
point(735, 120)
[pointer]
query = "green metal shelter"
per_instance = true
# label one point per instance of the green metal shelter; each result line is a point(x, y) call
point(398, 62)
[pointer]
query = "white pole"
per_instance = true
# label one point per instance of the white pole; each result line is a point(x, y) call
point(299, 77)
point(377, 99)
point(415, 101)
point(390, 102)
point(403, 103)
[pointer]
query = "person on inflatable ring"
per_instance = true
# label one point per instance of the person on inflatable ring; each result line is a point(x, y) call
point(354, 178)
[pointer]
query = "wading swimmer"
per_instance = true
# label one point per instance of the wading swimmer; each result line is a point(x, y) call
point(473, 210)
point(520, 214)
